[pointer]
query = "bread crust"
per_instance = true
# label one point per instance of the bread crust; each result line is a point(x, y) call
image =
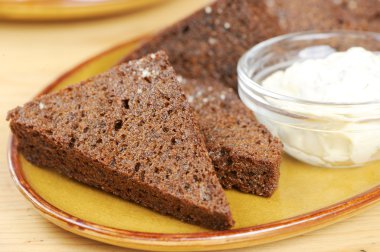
point(244, 153)
point(130, 132)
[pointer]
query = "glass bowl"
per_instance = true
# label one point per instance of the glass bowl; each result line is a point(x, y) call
point(327, 134)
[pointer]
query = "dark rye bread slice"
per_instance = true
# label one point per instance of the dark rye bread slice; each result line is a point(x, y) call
point(209, 43)
point(130, 132)
point(326, 15)
point(245, 155)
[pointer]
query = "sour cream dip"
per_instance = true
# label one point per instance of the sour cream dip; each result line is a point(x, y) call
point(348, 77)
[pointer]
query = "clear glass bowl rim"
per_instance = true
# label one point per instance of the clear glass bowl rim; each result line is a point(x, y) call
point(252, 52)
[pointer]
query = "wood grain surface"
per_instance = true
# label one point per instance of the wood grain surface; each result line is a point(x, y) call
point(33, 54)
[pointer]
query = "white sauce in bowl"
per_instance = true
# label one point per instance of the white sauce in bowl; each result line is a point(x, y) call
point(342, 77)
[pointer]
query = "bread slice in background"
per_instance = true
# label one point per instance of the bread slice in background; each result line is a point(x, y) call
point(209, 43)
point(245, 154)
point(325, 15)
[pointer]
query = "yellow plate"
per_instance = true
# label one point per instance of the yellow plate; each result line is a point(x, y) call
point(43, 10)
point(307, 198)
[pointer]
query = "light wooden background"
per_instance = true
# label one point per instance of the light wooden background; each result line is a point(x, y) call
point(34, 54)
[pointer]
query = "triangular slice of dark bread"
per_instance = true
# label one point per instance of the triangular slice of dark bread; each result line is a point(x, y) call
point(131, 132)
point(208, 43)
point(245, 154)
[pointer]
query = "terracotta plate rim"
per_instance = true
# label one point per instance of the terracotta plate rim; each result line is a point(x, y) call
point(288, 227)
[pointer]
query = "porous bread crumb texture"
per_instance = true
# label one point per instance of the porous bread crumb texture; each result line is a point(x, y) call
point(209, 43)
point(326, 15)
point(130, 132)
point(244, 153)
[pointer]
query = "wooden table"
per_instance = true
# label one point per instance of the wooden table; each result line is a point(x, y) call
point(34, 54)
